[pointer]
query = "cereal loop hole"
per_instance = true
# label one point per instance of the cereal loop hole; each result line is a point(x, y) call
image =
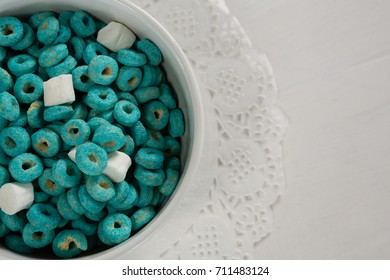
point(117, 225)
point(84, 78)
point(109, 144)
point(127, 109)
point(37, 235)
point(73, 130)
point(107, 71)
point(50, 184)
point(104, 185)
point(28, 88)
point(132, 81)
point(92, 157)
point(7, 30)
point(10, 142)
point(43, 146)
point(28, 164)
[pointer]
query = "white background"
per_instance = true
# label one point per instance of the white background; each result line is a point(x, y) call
point(332, 64)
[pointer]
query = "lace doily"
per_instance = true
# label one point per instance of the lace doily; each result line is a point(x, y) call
point(228, 209)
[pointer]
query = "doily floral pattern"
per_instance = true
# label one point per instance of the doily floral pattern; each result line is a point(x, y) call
point(245, 157)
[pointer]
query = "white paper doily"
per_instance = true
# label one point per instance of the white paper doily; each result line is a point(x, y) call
point(228, 209)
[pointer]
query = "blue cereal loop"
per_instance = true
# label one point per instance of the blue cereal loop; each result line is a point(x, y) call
point(74, 200)
point(98, 216)
point(92, 50)
point(48, 30)
point(91, 159)
point(95, 122)
point(172, 146)
point(64, 18)
point(66, 173)
point(27, 40)
point(173, 163)
point(110, 138)
point(43, 216)
point(76, 47)
point(149, 158)
point(37, 238)
point(142, 216)
point(75, 132)
point(28, 88)
point(145, 195)
point(86, 227)
point(127, 96)
point(138, 133)
point(148, 177)
point(81, 80)
point(114, 229)
point(90, 204)
point(65, 67)
point(53, 55)
point(48, 185)
point(14, 222)
point(155, 115)
point(129, 78)
point(9, 106)
point(57, 113)
point(64, 35)
point(36, 19)
point(166, 97)
point(80, 111)
point(11, 31)
point(65, 210)
point(100, 188)
point(35, 114)
point(176, 123)
point(126, 113)
point(128, 147)
point(101, 98)
point(131, 58)
point(69, 243)
point(103, 70)
point(22, 64)
point(170, 183)
point(152, 52)
point(21, 120)
point(25, 168)
point(155, 140)
point(36, 49)
point(14, 140)
point(149, 76)
point(146, 94)
point(46, 143)
point(15, 243)
point(82, 24)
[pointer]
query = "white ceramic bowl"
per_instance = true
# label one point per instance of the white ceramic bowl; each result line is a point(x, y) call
point(179, 73)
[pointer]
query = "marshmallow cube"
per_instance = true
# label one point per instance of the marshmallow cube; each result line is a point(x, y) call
point(15, 197)
point(72, 154)
point(116, 36)
point(117, 166)
point(58, 90)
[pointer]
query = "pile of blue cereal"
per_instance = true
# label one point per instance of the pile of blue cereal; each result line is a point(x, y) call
point(90, 138)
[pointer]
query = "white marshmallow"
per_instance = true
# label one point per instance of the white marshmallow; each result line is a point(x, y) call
point(117, 166)
point(116, 36)
point(58, 90)
point(15, 197)
point(72, 154)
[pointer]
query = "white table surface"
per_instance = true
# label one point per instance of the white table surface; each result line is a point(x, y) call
point(332, 64)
